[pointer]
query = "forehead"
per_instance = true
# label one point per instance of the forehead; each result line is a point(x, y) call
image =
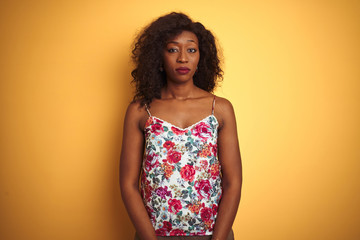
point(184, 37)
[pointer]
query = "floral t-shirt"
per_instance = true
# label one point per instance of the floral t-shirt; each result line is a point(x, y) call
point(180, 181)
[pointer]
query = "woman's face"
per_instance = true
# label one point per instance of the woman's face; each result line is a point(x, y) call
point(181, 57)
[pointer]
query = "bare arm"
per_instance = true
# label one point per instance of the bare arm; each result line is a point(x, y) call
point(130, 166)
point(229, 156)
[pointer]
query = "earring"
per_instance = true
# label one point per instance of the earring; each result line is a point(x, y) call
point(161, 69)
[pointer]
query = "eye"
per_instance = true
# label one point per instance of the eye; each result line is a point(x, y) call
point(192, 50)
point(172, 50)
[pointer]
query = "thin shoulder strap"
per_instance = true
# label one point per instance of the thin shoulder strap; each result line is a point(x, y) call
point(147, 109)
point(213, 106)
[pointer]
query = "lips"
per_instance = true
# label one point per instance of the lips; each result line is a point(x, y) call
point(182, 70)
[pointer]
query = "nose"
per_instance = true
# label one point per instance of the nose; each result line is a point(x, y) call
point(182, 58)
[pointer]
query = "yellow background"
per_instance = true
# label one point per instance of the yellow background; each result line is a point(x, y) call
point(292, 72)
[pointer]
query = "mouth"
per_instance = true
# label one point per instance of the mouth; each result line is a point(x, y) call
point(182, 70)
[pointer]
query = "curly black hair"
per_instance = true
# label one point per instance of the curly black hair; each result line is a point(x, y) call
point(147, 55)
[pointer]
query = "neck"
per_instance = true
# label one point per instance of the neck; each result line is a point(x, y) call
point(178, 91)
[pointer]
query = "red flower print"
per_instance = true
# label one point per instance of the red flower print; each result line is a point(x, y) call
point(213, 148)
point(146, 190)
point(179, 167)
point(215, 209)
point(201, 130)
point(174, 205)
point(187, 173)
point(173, 157)
point(167, 225)
point(157, 128)
point(177, 232)
point(161, 232)
point(151, 161)
point(203, 188)
point(206, 214)
point(168, 145)
point(177, 131)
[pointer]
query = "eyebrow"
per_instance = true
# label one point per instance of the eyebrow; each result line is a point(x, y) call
point(178, 42)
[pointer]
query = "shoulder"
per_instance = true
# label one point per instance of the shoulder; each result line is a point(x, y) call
point(222, 104)
point(136, 114)
point(134, 109)
point(223, 110)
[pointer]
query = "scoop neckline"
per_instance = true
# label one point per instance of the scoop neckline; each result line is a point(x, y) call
point(188, 127)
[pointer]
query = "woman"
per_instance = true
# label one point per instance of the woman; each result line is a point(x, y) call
point(179, 138)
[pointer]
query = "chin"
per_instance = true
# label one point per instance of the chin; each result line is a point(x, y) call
point(181, 78)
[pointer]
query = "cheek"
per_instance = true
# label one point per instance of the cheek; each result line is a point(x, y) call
point(168, 60)
point(168, 65)
point(197, 59)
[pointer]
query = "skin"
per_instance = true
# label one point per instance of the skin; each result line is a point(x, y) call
point(182, 104)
